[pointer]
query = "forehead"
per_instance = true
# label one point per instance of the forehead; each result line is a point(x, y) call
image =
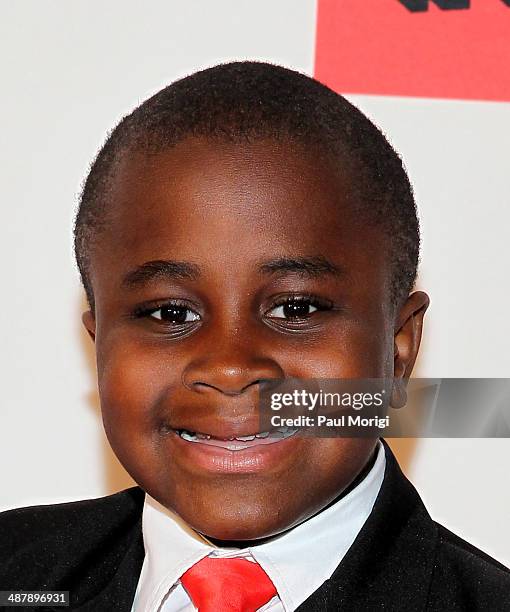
point(252, 185)
point(220, 203)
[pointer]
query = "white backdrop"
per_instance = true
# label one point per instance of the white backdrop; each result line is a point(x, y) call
point(69, 71)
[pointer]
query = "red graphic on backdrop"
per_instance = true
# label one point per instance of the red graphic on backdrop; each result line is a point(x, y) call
point(379, 47)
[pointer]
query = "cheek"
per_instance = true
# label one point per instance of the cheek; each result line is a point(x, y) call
point(359, 352)
point(328, 466)
point(335, 462)
point(131, 381)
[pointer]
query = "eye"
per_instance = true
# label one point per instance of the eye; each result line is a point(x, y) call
point(296, 308)
point(173, 313)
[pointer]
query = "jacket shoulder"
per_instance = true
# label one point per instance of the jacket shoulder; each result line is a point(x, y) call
point(465, 577)
point(41, 529)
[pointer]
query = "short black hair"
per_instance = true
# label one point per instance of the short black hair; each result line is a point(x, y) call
point(244, 101)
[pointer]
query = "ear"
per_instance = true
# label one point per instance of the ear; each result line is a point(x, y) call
point(89, 322)
point(408, 332)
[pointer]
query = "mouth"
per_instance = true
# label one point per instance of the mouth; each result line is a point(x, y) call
point(237, 443)
point(233, 448)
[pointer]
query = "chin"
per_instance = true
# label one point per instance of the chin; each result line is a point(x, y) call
point(242, 531)
point(237, 524)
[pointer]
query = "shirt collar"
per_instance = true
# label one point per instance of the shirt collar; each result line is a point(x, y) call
point(297, 562)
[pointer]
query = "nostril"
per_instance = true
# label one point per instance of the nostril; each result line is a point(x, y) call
point(230, 392)
point(213, 372)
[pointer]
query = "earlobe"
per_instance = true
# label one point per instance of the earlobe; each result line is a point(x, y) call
point(408, 333)
point(89, 322)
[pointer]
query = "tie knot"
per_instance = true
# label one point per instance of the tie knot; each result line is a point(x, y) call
point(228, 585)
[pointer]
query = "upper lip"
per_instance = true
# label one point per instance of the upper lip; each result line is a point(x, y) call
point(223, 422)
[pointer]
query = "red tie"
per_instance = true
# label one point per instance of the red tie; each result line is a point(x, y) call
point(228, 585)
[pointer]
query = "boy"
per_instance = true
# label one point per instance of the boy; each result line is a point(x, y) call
point(246, 223)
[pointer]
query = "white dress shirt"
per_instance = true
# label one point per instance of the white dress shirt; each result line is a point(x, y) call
point(298, 561)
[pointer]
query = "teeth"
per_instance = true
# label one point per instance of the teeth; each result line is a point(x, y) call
point(280, 432)
point(188, 435)
point(231, 445)
point(285, 432)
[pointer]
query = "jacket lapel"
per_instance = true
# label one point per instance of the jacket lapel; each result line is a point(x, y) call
point(390, 564)
point(119, 593)
point(107, 574)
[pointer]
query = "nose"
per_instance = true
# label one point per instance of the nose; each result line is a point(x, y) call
point(230, 366)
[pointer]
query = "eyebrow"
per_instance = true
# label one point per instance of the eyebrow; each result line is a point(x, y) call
point(160, 269)
point(311, 267)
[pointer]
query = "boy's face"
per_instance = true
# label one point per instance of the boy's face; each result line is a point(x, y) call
point(260, 269)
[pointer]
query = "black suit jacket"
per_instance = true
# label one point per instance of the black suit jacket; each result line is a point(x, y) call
point(401, 560)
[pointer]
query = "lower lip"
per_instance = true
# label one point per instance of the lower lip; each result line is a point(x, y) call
point(257, 458)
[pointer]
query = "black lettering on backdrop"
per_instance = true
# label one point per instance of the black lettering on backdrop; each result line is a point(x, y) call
point(416, 6)
point(452, 4)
